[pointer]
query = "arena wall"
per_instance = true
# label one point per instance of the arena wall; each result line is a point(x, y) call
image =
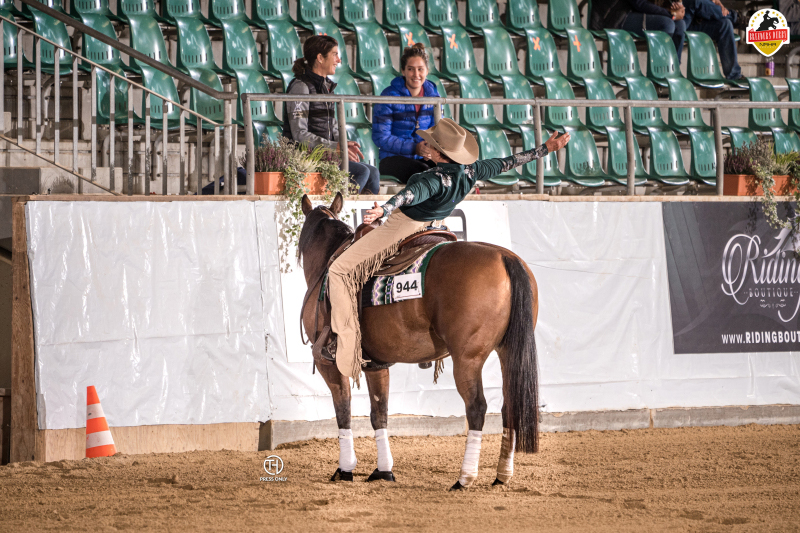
point(183, 314)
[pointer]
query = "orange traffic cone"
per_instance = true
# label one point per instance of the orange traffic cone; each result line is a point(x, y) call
point(99, 442)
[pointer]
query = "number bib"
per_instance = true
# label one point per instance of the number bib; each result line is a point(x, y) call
point(407, 286)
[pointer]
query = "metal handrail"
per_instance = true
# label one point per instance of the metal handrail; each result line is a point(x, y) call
point(714, 105)
point(130, 52)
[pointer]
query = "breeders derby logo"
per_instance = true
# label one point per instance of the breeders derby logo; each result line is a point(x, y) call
point(767, 31)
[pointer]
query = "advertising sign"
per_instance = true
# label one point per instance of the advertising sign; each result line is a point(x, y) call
point(734, 282)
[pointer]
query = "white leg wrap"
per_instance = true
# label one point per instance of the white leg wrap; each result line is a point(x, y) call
point(347, 455)
point(505, 465)
point(385, 460)
point(469, 468)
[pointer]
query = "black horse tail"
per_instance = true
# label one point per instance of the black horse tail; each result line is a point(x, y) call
point(520, 376)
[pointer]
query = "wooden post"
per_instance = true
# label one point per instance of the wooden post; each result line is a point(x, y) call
point(27, 442)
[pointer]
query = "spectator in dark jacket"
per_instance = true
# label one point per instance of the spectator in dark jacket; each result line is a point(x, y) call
point(394, 126)
point(711, 17)
point(637, 16)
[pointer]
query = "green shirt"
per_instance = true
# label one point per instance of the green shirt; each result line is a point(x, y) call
point(433, 194)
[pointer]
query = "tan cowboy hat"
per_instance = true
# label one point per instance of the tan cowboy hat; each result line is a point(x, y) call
point(452, 140)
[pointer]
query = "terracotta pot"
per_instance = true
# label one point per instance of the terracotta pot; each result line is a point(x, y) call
point(745, 185)
point(274, 183)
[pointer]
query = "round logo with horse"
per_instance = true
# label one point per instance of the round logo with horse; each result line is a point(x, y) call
point(767, 31)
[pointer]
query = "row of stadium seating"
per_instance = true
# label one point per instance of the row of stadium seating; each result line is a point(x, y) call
point(241, 61)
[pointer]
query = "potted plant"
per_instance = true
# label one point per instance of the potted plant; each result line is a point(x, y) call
point(739, 173)
point(275, 159)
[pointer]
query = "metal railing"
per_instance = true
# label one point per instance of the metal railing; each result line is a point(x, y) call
point(225, 159)
point(538, 105)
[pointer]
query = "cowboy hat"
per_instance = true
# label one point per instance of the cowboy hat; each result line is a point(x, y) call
point(452, 140)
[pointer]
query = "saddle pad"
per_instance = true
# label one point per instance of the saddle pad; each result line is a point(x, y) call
point(378, 289)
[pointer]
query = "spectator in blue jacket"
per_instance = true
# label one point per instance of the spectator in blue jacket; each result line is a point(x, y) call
point(711, 17)
point(403, 153)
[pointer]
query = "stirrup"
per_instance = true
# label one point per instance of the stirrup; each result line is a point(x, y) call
point(324, 349)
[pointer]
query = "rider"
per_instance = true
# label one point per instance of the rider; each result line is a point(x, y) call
point(429, 196)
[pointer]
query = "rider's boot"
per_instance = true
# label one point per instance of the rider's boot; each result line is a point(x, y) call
point(324, 348)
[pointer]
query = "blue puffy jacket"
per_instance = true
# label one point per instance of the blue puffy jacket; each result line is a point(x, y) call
point(393, 125)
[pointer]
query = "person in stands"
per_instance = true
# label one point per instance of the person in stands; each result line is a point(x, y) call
point(314, 123)
point(402, 151)
point(711, 17)
point(636, 16)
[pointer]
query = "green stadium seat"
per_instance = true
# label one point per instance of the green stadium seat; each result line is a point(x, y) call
point(600, 118)
point(542, 56)
point(329, 28)
point(183, 9)
point(563, 15)
point(493, 143)
point(457, 54)
point(740, 136)
point(623, 60)
point(552, 175)
point(363, 136)
point(160, 83)
point(644, 118)
point(412, 33)
point(56, 31)
point(311, 11)
point(373, 59)
point(79, 8)
point(703, 163)
point(96, 51)
point(356, 12)
point(263, 113)
point(221, 10)
point(761, 90)
point(239, 51)
point(582, 59)
point(353, 112)
point(582, 164)
point(142, 8)
point(703, 68)
point(522, 15)
point(794, 96)
point(194, 47)
point(52, 4)
point(440, 14)
point(104, 98)
point(786, 141)
point(8, 6)
point(146, 37)
point(440, 87)
point(559, 118)
point(204, 104)
point(618, 156)
point(10, 48)
point(681, 119)
point(284, 49)
point(396, 12)
point(662, 59)
point(472, 115)
point(482, 14)
point(500, 64)
point(666, 161)
point(271, 11)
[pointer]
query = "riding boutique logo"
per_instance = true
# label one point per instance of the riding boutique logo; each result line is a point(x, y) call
point(767, 31)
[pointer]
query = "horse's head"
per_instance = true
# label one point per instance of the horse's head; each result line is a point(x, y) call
point(321, 235)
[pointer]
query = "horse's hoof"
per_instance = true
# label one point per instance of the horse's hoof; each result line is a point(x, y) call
point(497, 482)
point(341, 475)
point(377, 475)
point(458, 486)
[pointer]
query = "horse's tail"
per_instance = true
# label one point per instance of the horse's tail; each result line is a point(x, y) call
point(520, 376)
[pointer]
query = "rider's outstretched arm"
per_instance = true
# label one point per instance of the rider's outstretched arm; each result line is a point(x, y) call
point(489, 168)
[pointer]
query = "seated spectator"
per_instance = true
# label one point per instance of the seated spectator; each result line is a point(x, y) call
point(635, 16)
point(403, 153)
point(711, 17)
point(314, 123)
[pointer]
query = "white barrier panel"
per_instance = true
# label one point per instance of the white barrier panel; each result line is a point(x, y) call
point(159, 305)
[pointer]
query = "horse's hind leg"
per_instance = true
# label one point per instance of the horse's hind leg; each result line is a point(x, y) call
point(378, 386)
point(505, 464)
point(339, 385)
point(467, 374)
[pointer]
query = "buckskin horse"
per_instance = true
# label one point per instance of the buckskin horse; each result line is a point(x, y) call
point(478, 298)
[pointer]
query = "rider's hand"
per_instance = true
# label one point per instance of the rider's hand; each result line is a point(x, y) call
point(556, 142)
point(373, 214)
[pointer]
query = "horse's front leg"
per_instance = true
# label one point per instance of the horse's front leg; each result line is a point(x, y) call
point(378, 386)
point(339, 385)
point(467, 374)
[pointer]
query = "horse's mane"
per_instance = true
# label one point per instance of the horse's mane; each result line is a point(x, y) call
point(316, 223)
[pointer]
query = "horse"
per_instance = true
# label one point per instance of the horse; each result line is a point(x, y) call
point(478, 298)
point(768, 22)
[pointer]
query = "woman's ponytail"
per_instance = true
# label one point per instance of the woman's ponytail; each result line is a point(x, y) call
point(300, 66)
point(417, 50)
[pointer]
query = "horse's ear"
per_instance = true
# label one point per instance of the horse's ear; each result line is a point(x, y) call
point(306, 204)
point(338, 204)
